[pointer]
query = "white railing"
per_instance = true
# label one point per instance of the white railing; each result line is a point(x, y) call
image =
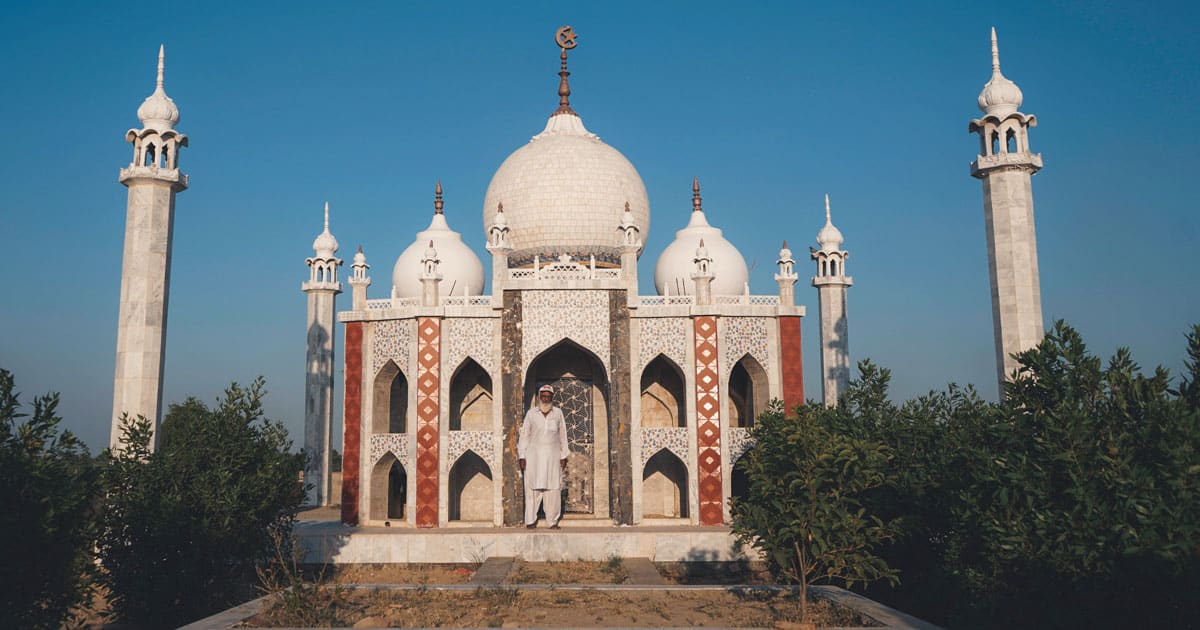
point(467, 300)
point(379, 305)
point(689, 300)
point(564, 268)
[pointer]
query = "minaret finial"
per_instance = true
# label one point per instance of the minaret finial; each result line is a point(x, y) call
point(500, 207)
point(696, 195)
point(995, 53)
point(827, 217)
point(565, 37)
point(785, 244)
point(326, 216)
point(437, 198)
point(161, 50)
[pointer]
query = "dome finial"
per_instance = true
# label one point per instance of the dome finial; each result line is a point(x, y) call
point(995, 53)
point(696, 195)
point(566, 38)
point(326, 216)
point(161, 50)
point(827, 216)
point(437, 198)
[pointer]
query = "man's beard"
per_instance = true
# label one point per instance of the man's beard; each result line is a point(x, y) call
point(545, 406)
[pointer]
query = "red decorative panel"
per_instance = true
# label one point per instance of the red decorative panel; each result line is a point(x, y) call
point(428, 410)
point(708, 422)
point(792, 358)
point(352, 422)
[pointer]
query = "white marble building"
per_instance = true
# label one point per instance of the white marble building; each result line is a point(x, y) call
point(659, 390)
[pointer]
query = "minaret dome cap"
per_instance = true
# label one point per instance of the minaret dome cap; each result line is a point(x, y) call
point(829, 238)
point(158, 111)
point(1000, 96)
point(325, 245)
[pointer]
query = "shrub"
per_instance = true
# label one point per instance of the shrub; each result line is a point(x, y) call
point(803, 507)
point(47, 486)
point(184, 526)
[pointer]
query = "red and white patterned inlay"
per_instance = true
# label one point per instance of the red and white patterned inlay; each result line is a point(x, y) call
point(428, 410)
point(708, 422)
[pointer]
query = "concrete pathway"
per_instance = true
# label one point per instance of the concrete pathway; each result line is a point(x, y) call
point(492, 572)
point(642, 571)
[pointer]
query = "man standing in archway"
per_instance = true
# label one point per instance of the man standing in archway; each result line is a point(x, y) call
point(542, 454)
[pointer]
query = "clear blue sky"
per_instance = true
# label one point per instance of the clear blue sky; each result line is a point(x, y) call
point(289, 104)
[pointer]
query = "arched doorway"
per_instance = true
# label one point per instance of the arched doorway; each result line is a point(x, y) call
point(747, 391)
point(664, 487)
point(470, 398)
point(662, 400)
point(581, 389)
point(389, 489)
point(389, 411)
point(470, 489)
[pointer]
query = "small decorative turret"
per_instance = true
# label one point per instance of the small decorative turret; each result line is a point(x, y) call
point(703, 274)
point(430, 277)
point(787, 276)
point(630, 237)
point(359, 281)
point(831, 282)
point(498, 231)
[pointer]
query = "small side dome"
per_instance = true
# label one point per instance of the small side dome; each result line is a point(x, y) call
point(158, 111)
point(457, 263)
point(673, 271)
point(1000, 96)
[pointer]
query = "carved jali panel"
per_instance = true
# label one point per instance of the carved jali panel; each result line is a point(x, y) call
point(574, 396)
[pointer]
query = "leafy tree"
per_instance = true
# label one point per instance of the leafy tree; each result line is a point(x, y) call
point(1083, 496)
point(184, 524)
point(47, 486)
point(804, 503)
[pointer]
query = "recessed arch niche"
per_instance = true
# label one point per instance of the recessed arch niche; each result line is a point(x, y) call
point(470, 398)
point(661, 403)
point(389, 489)
point(470, 486)
point(664, 486)
point(389, 409)
point(747, 391)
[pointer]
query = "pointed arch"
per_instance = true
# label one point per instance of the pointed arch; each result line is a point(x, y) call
point(748, 392)
point(470, 397)
point(664, 486)
point(389, 403)
point(662, 402)
point(389, 489)
point(470, 485)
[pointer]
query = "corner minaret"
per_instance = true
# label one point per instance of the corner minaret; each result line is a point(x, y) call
point(831, 282)
point(153, 178)
point(1006, 165)
point(322, 289)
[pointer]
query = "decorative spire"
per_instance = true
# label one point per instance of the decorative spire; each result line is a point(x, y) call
point(500, 207)
point(158, 111)
point(995, 54)
point(162, 49)
point(1000, 96)
point(437, 198)
point(325, 244)
point(326, 216)
point(696, 195)
point(565, 37)
point(829, 238)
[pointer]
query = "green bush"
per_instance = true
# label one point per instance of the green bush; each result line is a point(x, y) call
point(47, 524)
point(185, 525)
point(804, 502)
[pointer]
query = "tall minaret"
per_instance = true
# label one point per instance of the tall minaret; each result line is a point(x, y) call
point(322, 289)
point(1005, 164)
point(153, 178)
point(831, 282)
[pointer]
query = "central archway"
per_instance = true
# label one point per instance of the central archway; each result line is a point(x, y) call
point(581, 389)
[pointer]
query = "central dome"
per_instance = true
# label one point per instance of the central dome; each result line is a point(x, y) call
point(564, 193)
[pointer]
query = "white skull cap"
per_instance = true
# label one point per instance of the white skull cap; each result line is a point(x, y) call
point(546, 388)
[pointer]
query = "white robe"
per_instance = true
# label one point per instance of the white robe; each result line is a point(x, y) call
point(543, 444)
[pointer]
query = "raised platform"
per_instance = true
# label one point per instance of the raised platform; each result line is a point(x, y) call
point(330, 541)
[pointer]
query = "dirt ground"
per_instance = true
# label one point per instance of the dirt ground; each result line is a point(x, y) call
point(568, 573)
point(400, 573)
point(499, 606)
